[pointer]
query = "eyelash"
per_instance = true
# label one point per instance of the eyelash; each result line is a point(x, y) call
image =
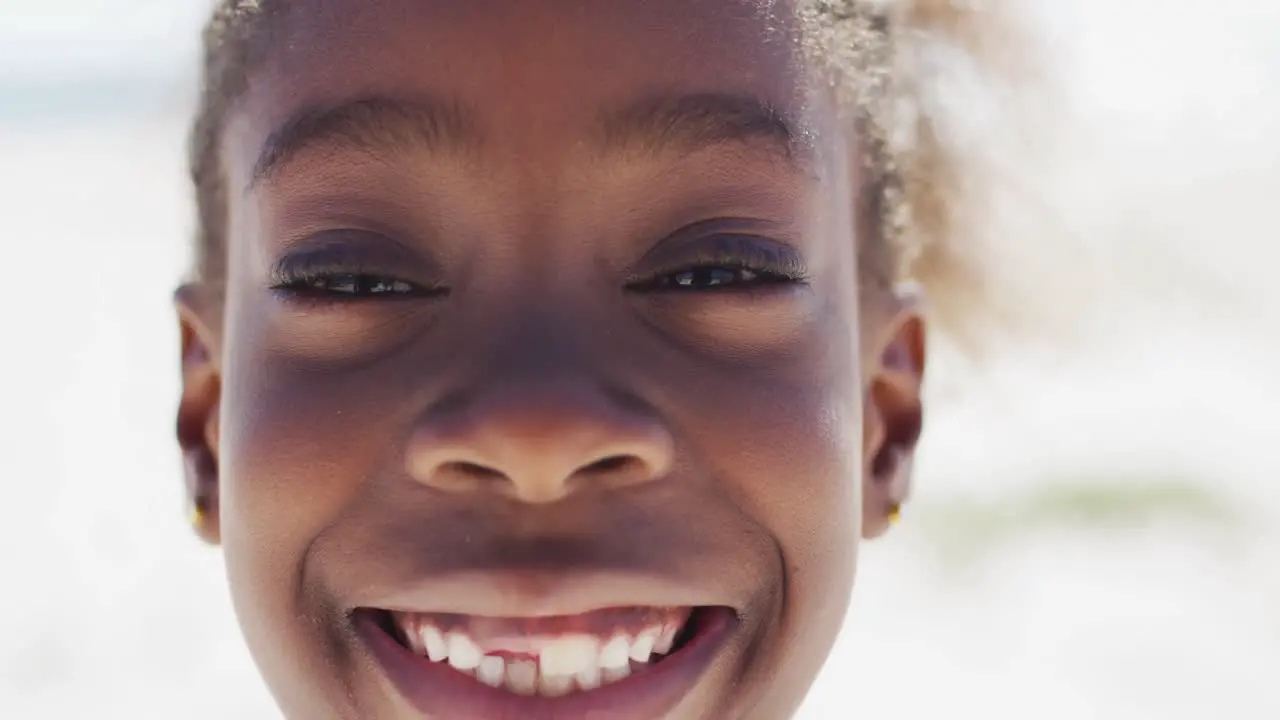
point(735, 269)
point(344, 282)
point(741, 262)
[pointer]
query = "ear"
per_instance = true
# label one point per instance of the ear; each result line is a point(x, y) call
point(198, 319)
point(892, 413)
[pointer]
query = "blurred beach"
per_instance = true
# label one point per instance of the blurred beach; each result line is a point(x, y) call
point(1096, 527)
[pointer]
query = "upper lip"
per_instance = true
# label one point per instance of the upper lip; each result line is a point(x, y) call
point(536, 562)
point(533, 594)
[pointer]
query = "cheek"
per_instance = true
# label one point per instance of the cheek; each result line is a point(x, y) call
point(784, 438)
point(787, 444)
point(817, 515)
point(794, 452)
point(797, 452)
point(298, 444)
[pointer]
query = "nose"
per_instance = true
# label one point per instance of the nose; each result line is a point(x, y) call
point(539, 444)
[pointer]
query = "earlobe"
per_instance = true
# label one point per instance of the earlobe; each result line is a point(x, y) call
point(202, 496)
point(893, 416)
point(197, 425)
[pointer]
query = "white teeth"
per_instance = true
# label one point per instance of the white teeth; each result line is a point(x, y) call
point(642, 648)
point(522, 677)
point(589, 678)
point(491, 670)
point(614, 674)
point(555, 685)
point(665, 641)
point(559, 666)
point(568, 655)
point(616, 653)
point(436, 647)
point(463, 653)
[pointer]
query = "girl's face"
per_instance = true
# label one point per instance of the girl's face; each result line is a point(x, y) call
point(537, 388)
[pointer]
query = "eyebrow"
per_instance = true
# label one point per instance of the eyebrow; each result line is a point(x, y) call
point(689, 123)
point(656, 125)
point(371, 125)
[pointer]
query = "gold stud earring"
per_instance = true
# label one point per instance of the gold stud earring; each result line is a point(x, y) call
point(196, 516)
point(895, 514)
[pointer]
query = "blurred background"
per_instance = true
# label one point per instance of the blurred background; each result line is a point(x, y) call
point(1095, 532)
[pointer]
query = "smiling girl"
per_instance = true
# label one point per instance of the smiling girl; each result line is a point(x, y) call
point(551, 359)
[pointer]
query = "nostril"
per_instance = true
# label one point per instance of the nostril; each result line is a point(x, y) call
point(613, 463)
point(474, 470)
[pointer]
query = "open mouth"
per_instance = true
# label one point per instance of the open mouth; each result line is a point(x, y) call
point(551, 656)
point(562, 666)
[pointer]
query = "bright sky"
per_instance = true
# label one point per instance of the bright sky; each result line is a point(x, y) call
point(53, 37)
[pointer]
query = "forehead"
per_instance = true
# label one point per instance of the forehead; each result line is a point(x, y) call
point(541, 70)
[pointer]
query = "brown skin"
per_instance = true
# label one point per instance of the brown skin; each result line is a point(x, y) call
point(342, 445)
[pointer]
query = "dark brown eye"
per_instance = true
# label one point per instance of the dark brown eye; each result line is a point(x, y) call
point(342, 285)
point(358, 285)
point(720, 263)
point(707, 278)
point(341, 266)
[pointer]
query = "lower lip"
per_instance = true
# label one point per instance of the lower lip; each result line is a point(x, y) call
point(438, 690)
